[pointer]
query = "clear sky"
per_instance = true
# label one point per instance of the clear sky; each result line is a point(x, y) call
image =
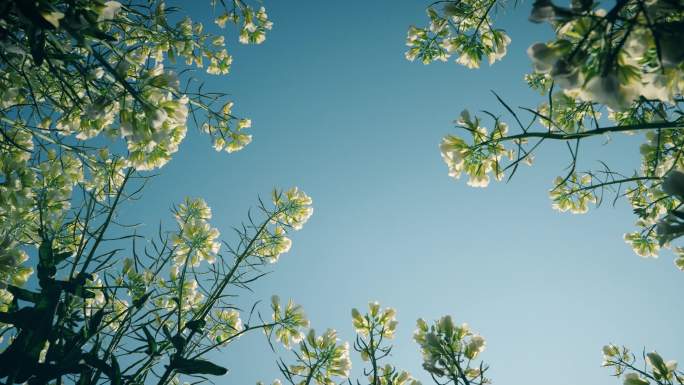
point(339, 112)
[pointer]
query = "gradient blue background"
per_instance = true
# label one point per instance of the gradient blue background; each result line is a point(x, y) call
point(338, 112)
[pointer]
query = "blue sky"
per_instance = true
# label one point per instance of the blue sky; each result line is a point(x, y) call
point(338, 112)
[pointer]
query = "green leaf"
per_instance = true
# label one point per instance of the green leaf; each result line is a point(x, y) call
point(178, 342)
point(141, 301)
point(112, 371)
point(184, 366)
point(59, 257)
point(196, 325)
point(95, 322)
point(23, 294)
point(116, 372)
point(151, 342)
point(37, 44)
point(660, 369)
point(166, 331)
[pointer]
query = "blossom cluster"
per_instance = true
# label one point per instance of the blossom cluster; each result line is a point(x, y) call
point(388, 375)
point(572, 193)
point(15, 191)
point(106, 175)
point(292, 209)
point(227, 131)
point(272, 243)
point(151, 114)
point(322, 358)
point(448, 348)
point(227, 325)
point(657, 201)
point(565, 114)
point(464, 29)
point(154, 133)
point(192, 300)
point(254, 23)
point(16, 215)
point(116, 313)
point(12, 270)
point(372, 329)
point(383, 322)
point(195, 241)
point(135, 280)
point(479, 159)
point(288, 322)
